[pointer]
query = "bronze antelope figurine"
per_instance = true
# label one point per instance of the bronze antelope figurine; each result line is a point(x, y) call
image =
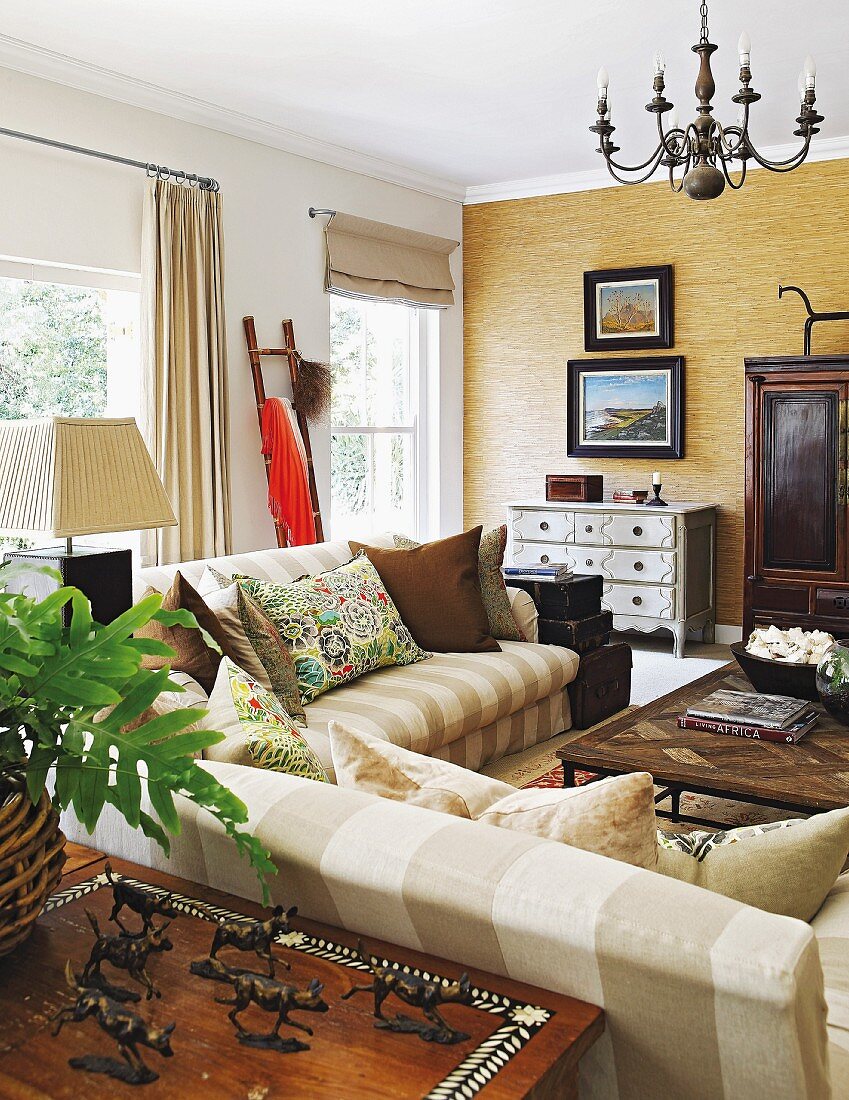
point(147, 906)
point(256, 936)
point(123, 1025)
point(273, 996)
point(417, 992)
point(124, 952)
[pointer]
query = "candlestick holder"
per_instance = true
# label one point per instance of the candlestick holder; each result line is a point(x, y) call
point(657, 502)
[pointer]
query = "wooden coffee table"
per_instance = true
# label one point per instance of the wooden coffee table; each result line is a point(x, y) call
point(807, 778)
point(523, 1041)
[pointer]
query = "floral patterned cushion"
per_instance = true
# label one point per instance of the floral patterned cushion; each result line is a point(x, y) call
point(338, 625)
point(495, 599)
point(257, 729)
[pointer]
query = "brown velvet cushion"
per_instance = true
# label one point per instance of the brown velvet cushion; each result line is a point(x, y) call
point(437, 592)
point(193, 654)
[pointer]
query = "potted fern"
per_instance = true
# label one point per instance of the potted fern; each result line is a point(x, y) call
point(55, 733)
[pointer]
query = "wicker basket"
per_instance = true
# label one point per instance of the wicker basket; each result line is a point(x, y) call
point(31, 859)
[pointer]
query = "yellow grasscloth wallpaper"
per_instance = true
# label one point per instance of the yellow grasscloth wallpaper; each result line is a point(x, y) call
point(523, 299)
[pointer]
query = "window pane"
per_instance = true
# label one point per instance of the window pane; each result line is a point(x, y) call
point(371, 358)
point(373, 483)
point(350, 464)
point(394, 493)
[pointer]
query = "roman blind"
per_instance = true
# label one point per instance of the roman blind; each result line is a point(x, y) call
point(367, 259)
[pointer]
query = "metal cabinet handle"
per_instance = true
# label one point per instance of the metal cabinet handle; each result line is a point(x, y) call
point(544, 559)
point(636, 600)
point(638, 565)
point(588, 528)
point(543, 526)
point(638, 531)
point(589, 561)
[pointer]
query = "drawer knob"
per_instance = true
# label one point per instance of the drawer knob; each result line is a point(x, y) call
point(544, 559)
point(589, 561)
point(638, 531)
point(543, 526)
point(638, 565)
point(636, 600)
point(588, 528)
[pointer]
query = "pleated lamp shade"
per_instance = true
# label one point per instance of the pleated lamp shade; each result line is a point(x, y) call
point(69, 476)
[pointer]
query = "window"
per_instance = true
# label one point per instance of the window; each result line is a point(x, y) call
point(69, 346)
point(378, 352)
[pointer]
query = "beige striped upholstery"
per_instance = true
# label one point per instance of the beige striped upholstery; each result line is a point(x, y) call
point(831, 927)
point(705, 998)
point(470, 709)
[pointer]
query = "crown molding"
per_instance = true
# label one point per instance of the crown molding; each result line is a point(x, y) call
point(830, 148)
point(33, 60)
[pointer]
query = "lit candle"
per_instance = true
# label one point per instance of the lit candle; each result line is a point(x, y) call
point(655, 478)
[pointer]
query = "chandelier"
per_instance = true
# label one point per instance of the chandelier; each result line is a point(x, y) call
point(705, 149)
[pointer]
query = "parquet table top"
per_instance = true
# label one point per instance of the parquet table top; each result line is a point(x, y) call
point(809, 777)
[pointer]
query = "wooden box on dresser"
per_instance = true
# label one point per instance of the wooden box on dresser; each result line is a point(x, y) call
point(657, 563)
point(796, 570)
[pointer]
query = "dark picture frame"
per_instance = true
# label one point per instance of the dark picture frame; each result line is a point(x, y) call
point(626, 300)
point(601, 420)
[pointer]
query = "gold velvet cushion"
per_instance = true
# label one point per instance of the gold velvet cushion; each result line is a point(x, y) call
point(369, 763)
point(499, 610)
point(437, 591)
point(193, 655)
point(612, 817)
point(785, 867)
point(255, 642)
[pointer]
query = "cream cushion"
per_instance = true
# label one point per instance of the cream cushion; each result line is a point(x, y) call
point(831, 927)
point(524, 611)
point(612, 817)
point(224, 602)
point(787, 870)
point(369, 763)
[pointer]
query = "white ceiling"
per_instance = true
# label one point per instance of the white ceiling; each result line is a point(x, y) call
point(458, 93)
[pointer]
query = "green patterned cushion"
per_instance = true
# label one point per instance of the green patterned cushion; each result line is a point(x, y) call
point(271, 651)
point(253, 719)
point(338, 625)
point(495, 599)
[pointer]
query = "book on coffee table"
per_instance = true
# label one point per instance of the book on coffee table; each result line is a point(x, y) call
point(750, 708)
point(791, 735)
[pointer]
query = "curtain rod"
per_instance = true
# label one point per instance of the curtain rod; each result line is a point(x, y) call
point(154, 171)
point(313, 211)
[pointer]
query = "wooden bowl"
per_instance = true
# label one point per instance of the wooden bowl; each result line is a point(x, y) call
point(777, 677)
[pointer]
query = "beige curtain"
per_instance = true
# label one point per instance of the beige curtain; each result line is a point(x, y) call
point(367, 259)
point(185, 416)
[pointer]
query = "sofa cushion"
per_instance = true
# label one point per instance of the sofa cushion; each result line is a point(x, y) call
point(257, 730)
point(371, 764)
point(436, 588)
point(499, 611)
point(831, 927)
point(429, 705)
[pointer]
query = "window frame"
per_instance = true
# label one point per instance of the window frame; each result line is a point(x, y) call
point(423, 345)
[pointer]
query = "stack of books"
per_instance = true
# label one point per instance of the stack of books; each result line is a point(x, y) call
point(747, 714)
point(632, 496)
point(538, 571)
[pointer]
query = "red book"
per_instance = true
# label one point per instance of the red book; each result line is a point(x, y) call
point(791, 736)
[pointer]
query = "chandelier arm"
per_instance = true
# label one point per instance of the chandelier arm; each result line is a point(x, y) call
point(782, 165)
point(655, 156)
point(612, 164)
point(676, 151)
point(734, 186)
point(726, 149)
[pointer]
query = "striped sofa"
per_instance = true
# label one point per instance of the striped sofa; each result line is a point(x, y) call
point(704, 998)
point(469, 708)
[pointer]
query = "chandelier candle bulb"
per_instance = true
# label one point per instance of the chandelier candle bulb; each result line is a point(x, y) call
point(810, 72)
point(659, 64)
point(603, 81)
point(744, 47)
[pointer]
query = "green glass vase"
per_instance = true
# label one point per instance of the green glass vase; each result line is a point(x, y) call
point(833, 681)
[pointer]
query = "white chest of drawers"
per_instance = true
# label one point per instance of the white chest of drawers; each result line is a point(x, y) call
point(658, 564)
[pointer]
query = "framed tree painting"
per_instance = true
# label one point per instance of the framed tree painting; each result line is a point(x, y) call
point(626, 408)
point(628, 308)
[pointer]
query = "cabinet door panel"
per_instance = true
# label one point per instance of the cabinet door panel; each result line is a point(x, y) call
point(801, 516)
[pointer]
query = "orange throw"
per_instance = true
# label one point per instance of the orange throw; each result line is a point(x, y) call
point(288, 483)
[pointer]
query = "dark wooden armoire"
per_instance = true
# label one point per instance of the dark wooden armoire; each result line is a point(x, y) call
point(796, 556)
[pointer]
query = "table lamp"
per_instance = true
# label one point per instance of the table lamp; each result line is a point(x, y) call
point(79, 476)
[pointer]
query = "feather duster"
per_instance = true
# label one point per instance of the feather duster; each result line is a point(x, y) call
point(312, 389)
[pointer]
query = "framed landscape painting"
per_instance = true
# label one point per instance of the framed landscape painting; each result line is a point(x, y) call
point(626, 408)
point(628, 308)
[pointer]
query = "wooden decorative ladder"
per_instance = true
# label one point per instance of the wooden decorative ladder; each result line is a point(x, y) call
point(255, 354)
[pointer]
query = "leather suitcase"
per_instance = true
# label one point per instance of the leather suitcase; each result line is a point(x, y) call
point(572, 599)
point(602, 686)
point(582, 635)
